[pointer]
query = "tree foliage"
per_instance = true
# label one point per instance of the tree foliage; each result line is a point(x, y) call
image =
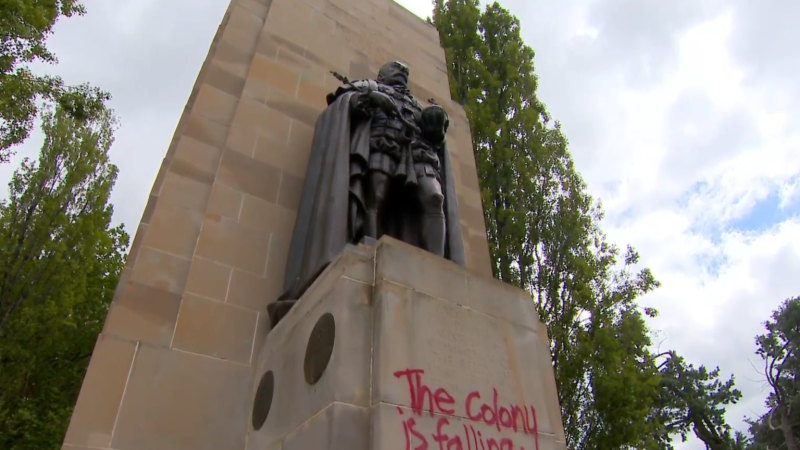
point(544, 236)
point(693, 400)
point(59, 264)
point(779, 347)
point(25, 26)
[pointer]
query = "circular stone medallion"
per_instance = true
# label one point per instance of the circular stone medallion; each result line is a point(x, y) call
point(319, 348)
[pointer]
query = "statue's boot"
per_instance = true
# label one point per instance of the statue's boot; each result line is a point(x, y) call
point(433, 233)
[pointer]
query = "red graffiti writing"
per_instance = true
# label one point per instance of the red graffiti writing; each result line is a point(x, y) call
point(438, 401)
point(413, 436)
point(512, 417)
point(503, 418)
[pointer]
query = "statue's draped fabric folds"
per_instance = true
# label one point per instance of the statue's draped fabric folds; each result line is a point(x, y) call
point(379, 165)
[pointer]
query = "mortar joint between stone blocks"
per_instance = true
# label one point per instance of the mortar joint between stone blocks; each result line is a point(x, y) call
point(124, 391)
point(366, 283)
point(177, 318)
point(289, 132)
point(227, 361)
point(86, 447)
point(298, 82)
point(269, 251)
point(319, 413)
point(230, 281)
point(241, 208)
point(280, 185)
point(253, 344)
point(374, 337)
point(426, 412)
point(450, 301)
point(222, 302)
point(176, 255)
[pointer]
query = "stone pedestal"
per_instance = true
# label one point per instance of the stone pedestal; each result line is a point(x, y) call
point(395, 348)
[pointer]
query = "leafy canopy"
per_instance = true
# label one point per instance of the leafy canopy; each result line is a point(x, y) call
point(779, 347)
point(25, 26)
point(693, 399)
point(59, 264)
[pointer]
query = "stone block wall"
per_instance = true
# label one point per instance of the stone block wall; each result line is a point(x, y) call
point(406, 350)
point(174, 363)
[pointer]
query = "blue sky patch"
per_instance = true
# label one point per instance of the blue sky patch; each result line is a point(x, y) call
point(766, 213)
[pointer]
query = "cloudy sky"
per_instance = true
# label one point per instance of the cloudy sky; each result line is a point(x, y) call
point(682, 116)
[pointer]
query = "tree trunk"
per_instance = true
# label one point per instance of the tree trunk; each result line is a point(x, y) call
point(786, 428)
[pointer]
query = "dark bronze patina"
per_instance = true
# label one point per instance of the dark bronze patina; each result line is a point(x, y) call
point(379, 165)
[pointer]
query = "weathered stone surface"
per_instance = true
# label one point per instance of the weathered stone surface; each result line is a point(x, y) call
point(176, 400)
point(102, 392)
point(339, 426)
point(347, 376)
point(209, 279)
point(230, 243)
point(424, 359)
point(142, 313)
point(201, 323)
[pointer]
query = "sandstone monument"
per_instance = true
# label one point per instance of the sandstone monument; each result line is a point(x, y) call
point(391, 347)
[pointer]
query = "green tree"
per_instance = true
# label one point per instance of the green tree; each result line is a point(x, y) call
point(25, 26)
point(544, 237)
point(779, 347)
point(694, 399)
point(59, 264)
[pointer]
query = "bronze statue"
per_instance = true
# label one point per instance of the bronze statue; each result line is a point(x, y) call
point(379, 165)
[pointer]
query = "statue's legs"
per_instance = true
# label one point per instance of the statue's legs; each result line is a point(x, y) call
point(432, 234)
point(375, 203)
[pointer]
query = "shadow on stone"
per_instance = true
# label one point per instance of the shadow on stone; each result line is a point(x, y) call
point(263, 400)
point(319, 348)
point(278, 309)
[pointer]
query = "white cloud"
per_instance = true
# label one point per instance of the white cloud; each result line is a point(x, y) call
point(421, 8)
point(673, 115)
point(789, 192)
point(712, 317)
